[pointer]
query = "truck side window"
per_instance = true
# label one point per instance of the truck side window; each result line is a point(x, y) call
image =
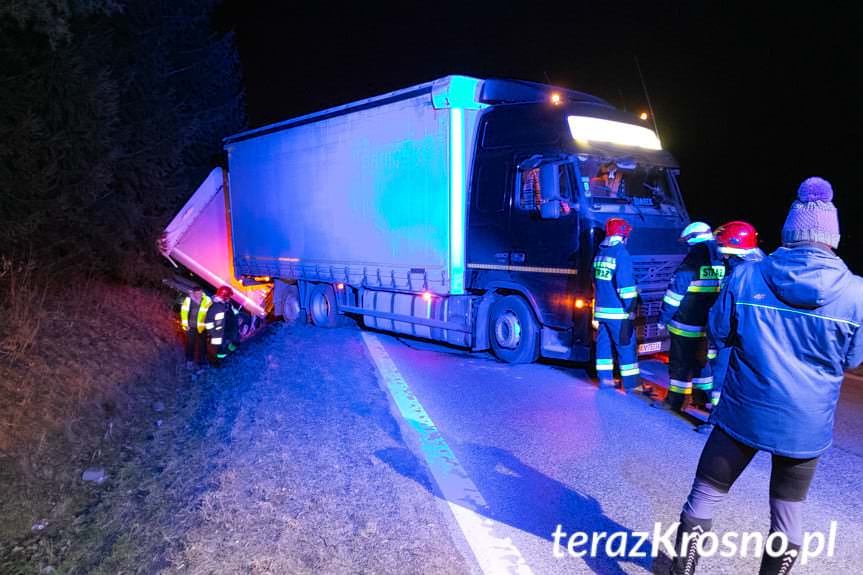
point(491, 188)
point(530, 189)
point(540, 184)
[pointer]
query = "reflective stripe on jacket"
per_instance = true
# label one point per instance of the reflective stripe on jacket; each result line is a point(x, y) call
point(201, 315)
point(693, 287)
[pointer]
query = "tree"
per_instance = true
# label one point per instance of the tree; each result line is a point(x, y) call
point(110, 114)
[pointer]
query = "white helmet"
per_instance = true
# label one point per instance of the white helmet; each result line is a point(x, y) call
point(696, 232)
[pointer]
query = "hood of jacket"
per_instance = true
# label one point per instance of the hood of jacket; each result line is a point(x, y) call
point(806, 276)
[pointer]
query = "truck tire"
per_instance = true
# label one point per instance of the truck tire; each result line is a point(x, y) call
point(512, 330)
point(322, 306)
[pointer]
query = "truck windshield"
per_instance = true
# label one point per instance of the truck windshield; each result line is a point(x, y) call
point(624, 184)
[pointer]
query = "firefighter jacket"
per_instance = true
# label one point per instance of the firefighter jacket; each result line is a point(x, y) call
point(692, 290)
point(614, 282)
point(219, 318)
point(196, 311)
point(793, 323)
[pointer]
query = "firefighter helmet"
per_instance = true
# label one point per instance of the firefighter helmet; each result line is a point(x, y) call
point(224, 292)
point(617, 227)
point(736, 238)
point(696, 232)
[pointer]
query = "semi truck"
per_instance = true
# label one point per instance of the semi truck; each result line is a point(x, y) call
point(461, 210)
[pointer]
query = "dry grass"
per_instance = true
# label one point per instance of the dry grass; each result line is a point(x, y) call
point(70, 364)
point(22, 298)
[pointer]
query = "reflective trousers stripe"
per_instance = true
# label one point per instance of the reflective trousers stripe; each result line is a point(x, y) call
point(630, 371)
point(671, 301)
point(685, 330)
point(216, 341)
point(677, 386)
point(711, 354)
point(701, 382)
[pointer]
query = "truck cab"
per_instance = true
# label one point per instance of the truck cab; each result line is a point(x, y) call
point(550, 167)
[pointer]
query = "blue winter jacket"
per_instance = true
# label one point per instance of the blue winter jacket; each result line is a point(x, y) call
point(792, 322)
point(719, 357)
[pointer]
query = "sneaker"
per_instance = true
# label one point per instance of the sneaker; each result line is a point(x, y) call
point(704, 428)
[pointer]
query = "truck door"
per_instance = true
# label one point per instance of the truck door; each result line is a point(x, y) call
point(543, 234)
point(488, 236)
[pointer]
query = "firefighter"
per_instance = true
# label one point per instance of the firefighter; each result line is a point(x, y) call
point(221, 322)
point(738, 243)
point(793, 323)
point(615, 293)
point(193, 314)
point(690, 294)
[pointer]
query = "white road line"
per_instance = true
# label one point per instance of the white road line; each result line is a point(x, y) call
point(495, 555)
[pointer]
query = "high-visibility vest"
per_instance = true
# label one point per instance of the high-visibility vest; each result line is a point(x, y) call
point(206, 302)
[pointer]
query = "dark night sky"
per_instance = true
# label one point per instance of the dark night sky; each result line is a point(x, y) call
point(750, 100)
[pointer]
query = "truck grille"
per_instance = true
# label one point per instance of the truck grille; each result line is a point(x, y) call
point(652, 275)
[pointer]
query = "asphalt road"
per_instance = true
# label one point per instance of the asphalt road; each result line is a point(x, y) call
point(544, 447)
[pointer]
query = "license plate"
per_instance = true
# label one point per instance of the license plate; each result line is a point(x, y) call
point(650, 347)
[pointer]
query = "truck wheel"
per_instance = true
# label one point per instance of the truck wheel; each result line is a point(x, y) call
point(512, 330)
point(322, 306)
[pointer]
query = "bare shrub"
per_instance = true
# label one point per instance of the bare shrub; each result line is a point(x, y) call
point(22, 298)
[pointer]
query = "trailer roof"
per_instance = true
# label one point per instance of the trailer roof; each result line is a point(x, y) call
point(447, 92)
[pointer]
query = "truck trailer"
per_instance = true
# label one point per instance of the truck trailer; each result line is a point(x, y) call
point(461, 210)
point(197, 243)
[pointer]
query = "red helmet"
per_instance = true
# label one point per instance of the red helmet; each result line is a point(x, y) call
point(224, 292)
point(617, 227)
point(736, 238)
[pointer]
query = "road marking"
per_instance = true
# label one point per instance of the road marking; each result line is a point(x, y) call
point(493, 553)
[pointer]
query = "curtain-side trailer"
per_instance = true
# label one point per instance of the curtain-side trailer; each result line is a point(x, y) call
point(461, 210)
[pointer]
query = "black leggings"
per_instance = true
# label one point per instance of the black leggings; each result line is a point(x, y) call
point(724, 459)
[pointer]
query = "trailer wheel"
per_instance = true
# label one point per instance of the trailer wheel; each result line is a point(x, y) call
point(512, 330)
point(322, 306)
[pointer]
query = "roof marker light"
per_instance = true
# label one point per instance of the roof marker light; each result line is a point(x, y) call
point(427, 296)
point(643, 115)
point(555, 99)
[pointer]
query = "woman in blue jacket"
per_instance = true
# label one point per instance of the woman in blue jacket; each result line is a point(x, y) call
point(792, 322)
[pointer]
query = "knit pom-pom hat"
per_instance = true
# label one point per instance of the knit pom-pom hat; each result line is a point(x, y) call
point(813, 217)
